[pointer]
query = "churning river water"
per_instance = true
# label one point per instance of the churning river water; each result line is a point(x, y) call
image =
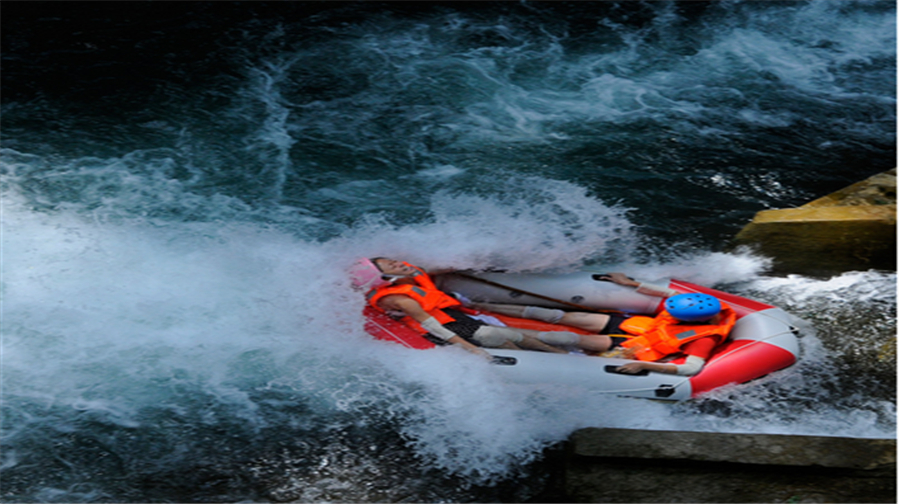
point(184, 185)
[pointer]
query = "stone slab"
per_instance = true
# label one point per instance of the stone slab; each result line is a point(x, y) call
point(652, 481)
point(768, 449)
point(624, 465)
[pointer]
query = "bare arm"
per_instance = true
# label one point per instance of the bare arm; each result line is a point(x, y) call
point(692, 366)
point(621, 279)
point(642, 287)
point(413, 309)
point(637, 367)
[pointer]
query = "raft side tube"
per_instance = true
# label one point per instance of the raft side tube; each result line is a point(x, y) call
point(739, 362)
point(593, 373)
point(384, 328)
point(760, 343)
point(772, 326)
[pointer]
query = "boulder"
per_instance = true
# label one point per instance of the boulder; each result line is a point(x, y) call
point(851, 229)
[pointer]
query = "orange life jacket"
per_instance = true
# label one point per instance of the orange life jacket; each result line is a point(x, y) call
point(424, 291)
point(655, 337)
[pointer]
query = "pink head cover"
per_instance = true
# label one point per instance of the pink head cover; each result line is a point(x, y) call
point(364, 275)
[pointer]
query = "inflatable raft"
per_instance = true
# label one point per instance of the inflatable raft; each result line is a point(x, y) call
point(761, 342)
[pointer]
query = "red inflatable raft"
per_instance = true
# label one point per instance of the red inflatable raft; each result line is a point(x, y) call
point(762, 341)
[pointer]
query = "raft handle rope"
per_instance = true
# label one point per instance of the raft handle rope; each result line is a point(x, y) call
point(668, 386)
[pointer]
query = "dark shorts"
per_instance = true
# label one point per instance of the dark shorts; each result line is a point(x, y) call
point(616, 342)
point(612, 327)
point(463, 325)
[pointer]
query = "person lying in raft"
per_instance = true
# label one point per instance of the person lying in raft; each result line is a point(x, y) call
point(401, 289)
point(692, 324)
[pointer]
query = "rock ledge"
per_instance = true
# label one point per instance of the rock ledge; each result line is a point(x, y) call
point(854, 228)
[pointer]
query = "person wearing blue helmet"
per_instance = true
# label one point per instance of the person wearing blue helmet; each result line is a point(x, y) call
point(691, 323)
point(646, 339)
point(693, 307)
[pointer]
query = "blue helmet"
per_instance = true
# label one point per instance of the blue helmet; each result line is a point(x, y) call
point(693, 307)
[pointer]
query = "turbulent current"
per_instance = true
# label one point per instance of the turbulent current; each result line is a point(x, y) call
point(184, 186)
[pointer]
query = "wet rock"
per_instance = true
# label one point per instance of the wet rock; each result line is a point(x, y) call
point(851, 229)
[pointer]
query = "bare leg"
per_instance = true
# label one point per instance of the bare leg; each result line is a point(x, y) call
point(591, 342)
point(594, 322)
point(502, 309)
point(532, 343)
point(501, 337)
point(509, 345)
point(595, 342)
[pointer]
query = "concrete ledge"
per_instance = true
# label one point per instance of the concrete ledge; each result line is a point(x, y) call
point(769, 449)
point(622, 465)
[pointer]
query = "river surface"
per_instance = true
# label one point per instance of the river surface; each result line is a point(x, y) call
point(184, 185)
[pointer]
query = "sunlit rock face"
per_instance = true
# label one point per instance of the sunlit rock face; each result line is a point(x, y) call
point(851, 229)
